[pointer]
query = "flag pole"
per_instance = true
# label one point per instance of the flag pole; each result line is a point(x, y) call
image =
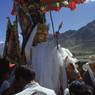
point(54, 35)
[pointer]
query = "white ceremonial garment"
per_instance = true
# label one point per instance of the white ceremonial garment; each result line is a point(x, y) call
point(36, 88)
point(45, 62)
point(48, 63)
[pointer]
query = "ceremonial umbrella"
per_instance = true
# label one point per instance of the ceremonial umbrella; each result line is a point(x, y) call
point(50, 5)
point(58, 4)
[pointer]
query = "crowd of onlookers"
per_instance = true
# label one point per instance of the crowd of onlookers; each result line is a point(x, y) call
point(20, 80)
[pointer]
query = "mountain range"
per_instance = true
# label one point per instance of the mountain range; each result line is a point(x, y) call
point(80, 42)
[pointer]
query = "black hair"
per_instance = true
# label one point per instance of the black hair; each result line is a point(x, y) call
point(80, 88)
point(4, 66)
point(24, 72)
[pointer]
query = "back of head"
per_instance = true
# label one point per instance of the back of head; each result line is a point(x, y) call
point(80, 88)
point(25, 73)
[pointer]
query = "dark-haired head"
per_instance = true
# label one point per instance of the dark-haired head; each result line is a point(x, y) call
point(25, 73)
point(23, 76)
point(80, 88)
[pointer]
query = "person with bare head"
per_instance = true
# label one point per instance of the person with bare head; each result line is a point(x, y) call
point(80, 88)
point(25, 79)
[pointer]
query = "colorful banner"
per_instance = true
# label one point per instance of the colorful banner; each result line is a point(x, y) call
point(15, 3)
point(12, 52)
point(24, 21)
point(8, 32)
point(25, 24)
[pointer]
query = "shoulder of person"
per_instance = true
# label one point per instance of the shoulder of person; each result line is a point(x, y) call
point(36, 92)
point(48, 91)
point(24, 92)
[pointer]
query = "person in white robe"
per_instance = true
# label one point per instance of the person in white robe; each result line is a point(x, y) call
point(48, 62)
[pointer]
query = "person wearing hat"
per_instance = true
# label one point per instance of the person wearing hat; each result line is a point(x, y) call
point(89, 75)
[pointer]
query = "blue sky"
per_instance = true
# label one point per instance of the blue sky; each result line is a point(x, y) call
point(83, 14)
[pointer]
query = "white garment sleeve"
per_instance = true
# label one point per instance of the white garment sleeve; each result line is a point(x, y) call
point(29, 43)
point(66, 91)
point(69, 53)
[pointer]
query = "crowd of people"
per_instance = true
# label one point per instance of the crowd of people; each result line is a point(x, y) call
point(23, 80)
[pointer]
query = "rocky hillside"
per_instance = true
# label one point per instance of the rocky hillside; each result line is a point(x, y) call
point(80, 42)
